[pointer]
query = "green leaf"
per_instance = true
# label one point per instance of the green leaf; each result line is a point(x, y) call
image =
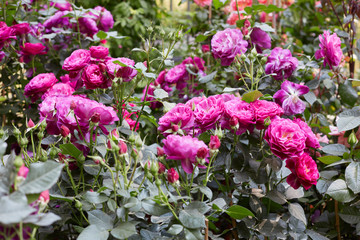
point(201, 38)
point(153, 208)
point(219, 3)
point(335, 149)
point(13, 211)
point(192, 218)
point(352, 176)
point(92, 232)
point(160, 93)
point(100, 219)
point(351, 215)
point(265, 27)
point(41, 177)
point(124, 230)
point(339, 191)
point(297, 211)
point(102, 35)
point(199, 206)
point(348, 94)
point(94, 197)
point(239, 212)
point(251, 96)
point(349, 119)
point(42, 219)
point(193, 234)
point(175, 229)
point(310, 98)
point(70, 149)
point(329, 159)
point(208, 77)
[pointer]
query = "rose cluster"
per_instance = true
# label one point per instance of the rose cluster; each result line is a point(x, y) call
point(179, 78)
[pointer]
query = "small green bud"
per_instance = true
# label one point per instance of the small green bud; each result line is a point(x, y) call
point(158, 182)
point(132, 138)
point(16, 132)
point(43, 125)
point(40, 135)
point(267, 122)
point(2, 133)
point(149, 176)
point(154, 168)
point(24, 142)
point(263, 60)
point(81, 159)
point(54, 151)
point(138, 141)
point(352, 140)
point(18, 162)
point(43, 156)
point(78, 205)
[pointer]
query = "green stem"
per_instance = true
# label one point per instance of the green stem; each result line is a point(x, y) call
point(33, 145)
point(133, 172)
point(71, 179)
point(114, 182)
point(207, 173)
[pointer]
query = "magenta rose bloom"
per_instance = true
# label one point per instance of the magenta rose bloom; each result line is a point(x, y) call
point(288, 97)
point(311, 139)
point(330, 49)
point(183, 148)
point(77, 60)
point(21, 28)
point(264, 109)
point(105, 19)
point(226, 97)
point(87, 109)
point(47, 111)
point(93, 77)
point(39, 85)
point(57, 20)
point(6, 34)
point(59, 89)
point(281, 63)
point(194, 101)
point(304, 171)
point(63, 6)
point(208, 112)
point(87, 25)
point(260, 39)
point(285, 138)
point(227, 44)
point(203, 3)
point(176, 74)
point(99, 52)
point(179, 118)
point(33, 49)
point(126, 73)
point(242, 111)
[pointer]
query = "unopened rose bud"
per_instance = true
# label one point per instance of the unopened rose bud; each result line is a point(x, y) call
point(30, 123)
point(132, 138)
point(214, 142)
point(160, 151)
point(78, 205)
point(234, 123)
point(158, 182)
point(244, 31)
point(162, 168)
point(40, 135)
point(352, 140)
point(172, 176)
point(122, 148)
point(18, 162)
point(154, 168)
point(202, 153)
point(44, 197)
point(95, 118)
point(97, 160)
point(267, 122)
point(54, 152)
point(219, 133)
point(247, 23)
point(102, 67)
point(64, 131)
point(138, 141)
point(174, 128)
point(115, 134)
point(24, 142)
point(16, 132)
point(43, 156)
point(23, 171)
point(72, 105)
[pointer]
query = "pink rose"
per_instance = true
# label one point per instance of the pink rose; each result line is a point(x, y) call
point(183, 148)
point(181, 117)
point(99, 52)
point(44, 197)
point(104, 18)
point(33, 49)
point(77, 60)
point(21, 28)
point(59, 89)
point(203, 3)
point(311, 139)
point(285, 138)
point(265, 109)
point(23, 171)
point(126, 73)
point(88, 26)
point(176, 74)
point(214, 142)
point(93, 77)
point(39, 85)
point(208, 112)
point(205, 48)
point(303, 171)
point(172, 175)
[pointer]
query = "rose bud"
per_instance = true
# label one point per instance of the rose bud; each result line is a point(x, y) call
point(30, 123)
point(175, 128)
point(247, 23)
point(64, 131)
point(123, 147)
point(44, 197)
point(234, 122)
point(115, 133)
point(161, 168)
point(23, 171)
point(160, 151)
point(72, 105)
point(95, 118)
point(172, 176)
point(214, 142)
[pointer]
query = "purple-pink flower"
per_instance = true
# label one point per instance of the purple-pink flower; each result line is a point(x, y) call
point(260, 39)
point(311, 139)
point(99, 52)
point(175, 74)
point(227, 44)
point(285, 138)
point(39, 85)
point(126, 73)
point(183, 148)
point(87, 25)
point(179, 118)
point(59, 89)
point(288, 97)
point(208, 112)
point(265, 110)
point(303, 171)
point(330, 49)
point(93, 77)
point(104, 18)
point(77, 60)
point(281, 63)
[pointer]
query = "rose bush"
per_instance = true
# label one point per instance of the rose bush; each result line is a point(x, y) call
point(233, 126)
